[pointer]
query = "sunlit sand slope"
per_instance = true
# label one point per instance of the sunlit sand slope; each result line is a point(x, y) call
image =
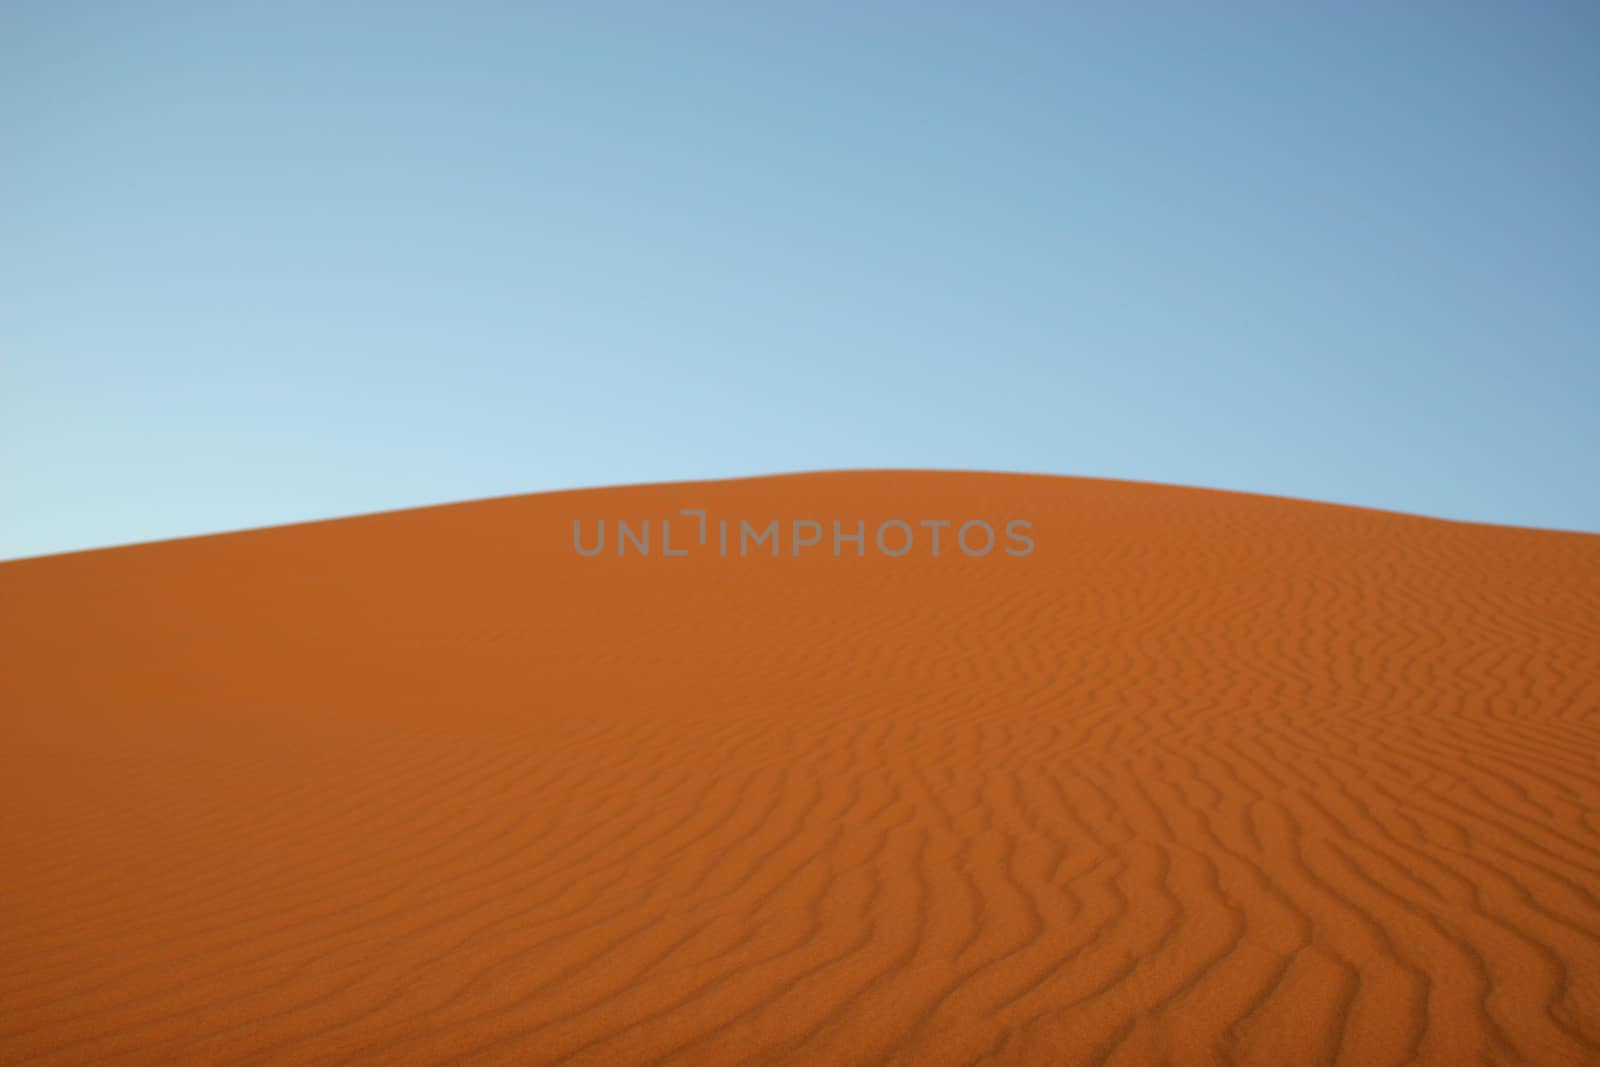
point(1205, 779)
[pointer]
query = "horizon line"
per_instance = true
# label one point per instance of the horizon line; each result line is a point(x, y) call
point(803, 473)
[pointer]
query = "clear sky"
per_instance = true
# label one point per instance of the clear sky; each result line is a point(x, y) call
point(269, 262)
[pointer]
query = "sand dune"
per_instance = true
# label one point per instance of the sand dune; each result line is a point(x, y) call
point(1206, 779)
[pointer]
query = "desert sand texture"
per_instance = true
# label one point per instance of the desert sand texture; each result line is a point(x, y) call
point(1208, 778)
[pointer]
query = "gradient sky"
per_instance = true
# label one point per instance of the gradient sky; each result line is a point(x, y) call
point(262, 263)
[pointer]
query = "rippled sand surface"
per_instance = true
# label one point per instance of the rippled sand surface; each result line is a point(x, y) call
point(1206, 779)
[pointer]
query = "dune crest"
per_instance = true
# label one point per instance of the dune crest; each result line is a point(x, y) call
point(1205, 778)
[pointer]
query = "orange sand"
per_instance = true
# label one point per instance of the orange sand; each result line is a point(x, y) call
point(1209, 778)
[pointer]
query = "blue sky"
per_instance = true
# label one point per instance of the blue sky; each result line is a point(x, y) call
point(264, 263)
